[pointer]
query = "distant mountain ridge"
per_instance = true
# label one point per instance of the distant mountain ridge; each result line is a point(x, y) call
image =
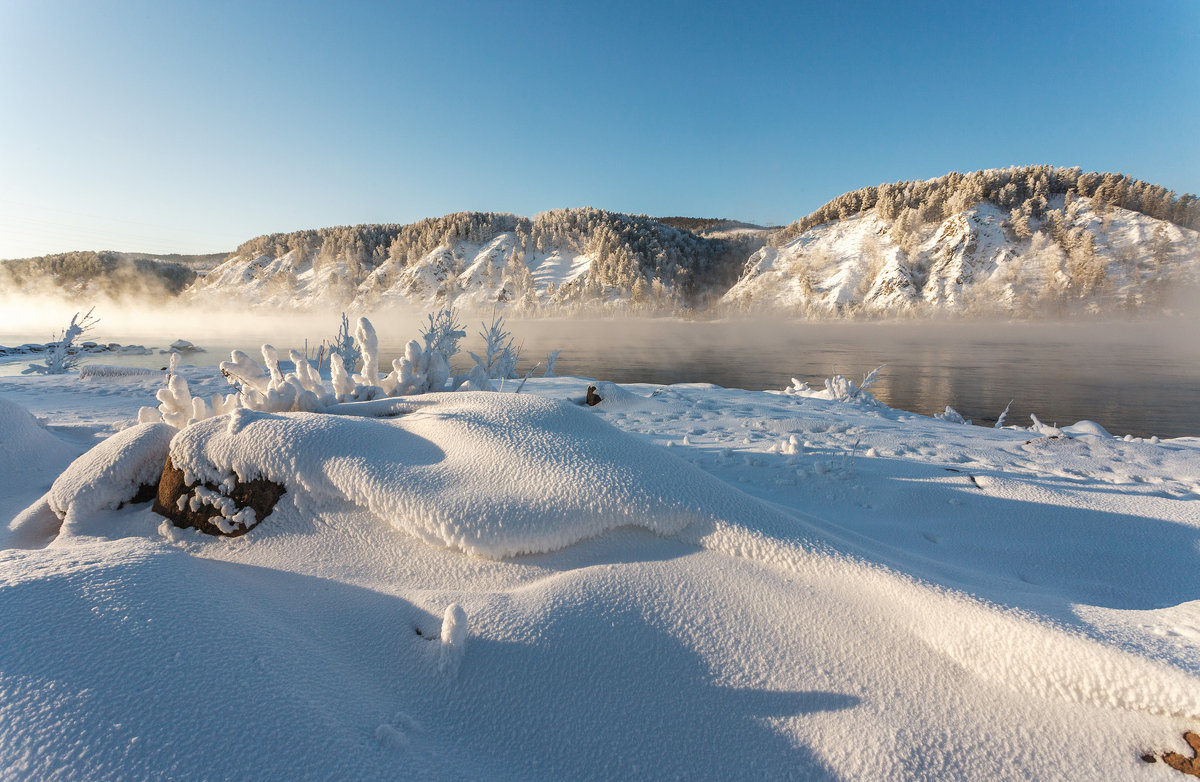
point(116, 275)
point(1024, 242)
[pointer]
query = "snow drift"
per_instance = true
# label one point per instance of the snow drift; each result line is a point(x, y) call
point(494, 475)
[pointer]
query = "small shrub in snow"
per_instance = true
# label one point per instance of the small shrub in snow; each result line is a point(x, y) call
point(500, 356)
point(443, 333)
point(1004, 415)
point(550, 362)
point(266, 388)
point(343, 346)
point(424, 369)
point(99, 371)
point(62, 359)
point(840, 389)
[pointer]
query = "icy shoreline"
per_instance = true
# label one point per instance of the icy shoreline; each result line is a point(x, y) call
point(881, 593)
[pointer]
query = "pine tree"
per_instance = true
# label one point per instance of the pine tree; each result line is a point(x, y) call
point(1161, 249)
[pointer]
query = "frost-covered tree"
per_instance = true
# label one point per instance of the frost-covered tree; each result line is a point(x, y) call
point(1162, 249)
point(342, 345)
point(1007, 188)
point(499, 360)
point(64, 356)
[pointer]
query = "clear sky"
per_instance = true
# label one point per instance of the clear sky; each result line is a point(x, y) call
point(191, 127)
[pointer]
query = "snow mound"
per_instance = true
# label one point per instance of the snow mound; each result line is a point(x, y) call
point(495, 475)
point(28, 456)
point(1087, 428)
point(614, 397)
point(112, 472)
point(23, 440)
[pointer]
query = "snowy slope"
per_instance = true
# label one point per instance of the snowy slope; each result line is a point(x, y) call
point(859, 593)
point(970, 262)
point(468, 275)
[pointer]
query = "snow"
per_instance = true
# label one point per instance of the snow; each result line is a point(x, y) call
point(968, 262)
point(492, 475)
point(518, 586)
point(30, 457)
point(111, 473)
point(467, 274)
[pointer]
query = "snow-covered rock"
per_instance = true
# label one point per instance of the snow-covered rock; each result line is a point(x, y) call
point(494, 475)
point(113, 472)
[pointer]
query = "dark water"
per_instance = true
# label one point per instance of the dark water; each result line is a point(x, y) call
point(1141, 379)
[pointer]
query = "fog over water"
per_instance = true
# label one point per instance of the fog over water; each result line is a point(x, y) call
point(1140, 378)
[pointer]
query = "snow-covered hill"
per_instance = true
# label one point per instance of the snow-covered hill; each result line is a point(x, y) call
point(973, 261)
point(1028, 242)
point(563, 259)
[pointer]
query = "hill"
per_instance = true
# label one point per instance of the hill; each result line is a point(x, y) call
point(88, 275)
point(1021, 241)
point(1032, 242)
point(565, 259)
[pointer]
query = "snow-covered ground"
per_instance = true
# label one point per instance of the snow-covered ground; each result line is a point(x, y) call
point(715, 584)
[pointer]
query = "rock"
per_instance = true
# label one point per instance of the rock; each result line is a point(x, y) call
point(593, 398)
point(211, 509)
point(1186, 765)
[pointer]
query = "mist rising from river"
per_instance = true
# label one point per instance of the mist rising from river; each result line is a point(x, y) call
point(1137, 377)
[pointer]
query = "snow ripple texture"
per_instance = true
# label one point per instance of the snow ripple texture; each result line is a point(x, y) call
point(494, 475)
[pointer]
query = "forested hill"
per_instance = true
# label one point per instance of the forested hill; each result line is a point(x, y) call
point(112, 275)
point(564, 258)
point(1028, 242)
point(707, 226)
point(1024, 191)
point(1035, 241)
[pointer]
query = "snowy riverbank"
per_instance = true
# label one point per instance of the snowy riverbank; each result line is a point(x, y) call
point(731, 584)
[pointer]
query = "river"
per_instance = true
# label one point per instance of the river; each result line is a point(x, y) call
point(1140, 378)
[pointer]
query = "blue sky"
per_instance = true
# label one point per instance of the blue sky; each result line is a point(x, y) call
point(190, 127)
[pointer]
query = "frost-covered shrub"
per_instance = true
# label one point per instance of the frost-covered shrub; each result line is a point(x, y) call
point(102, 371)
point(1000, 421)
point(343, 346)
point(499, 361)
point(840, 389)
point(424, 369)
point(551, 360)
point(266, 388)
point(62, 358)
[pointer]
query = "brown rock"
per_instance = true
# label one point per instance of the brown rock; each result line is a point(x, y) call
point(1186, 765)
point(258, 494)
point(593, 398)
point(145, 493)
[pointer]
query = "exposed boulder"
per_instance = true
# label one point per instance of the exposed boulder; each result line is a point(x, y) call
point(231, 509)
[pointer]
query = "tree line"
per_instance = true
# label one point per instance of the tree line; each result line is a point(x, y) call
point(1025, 190)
